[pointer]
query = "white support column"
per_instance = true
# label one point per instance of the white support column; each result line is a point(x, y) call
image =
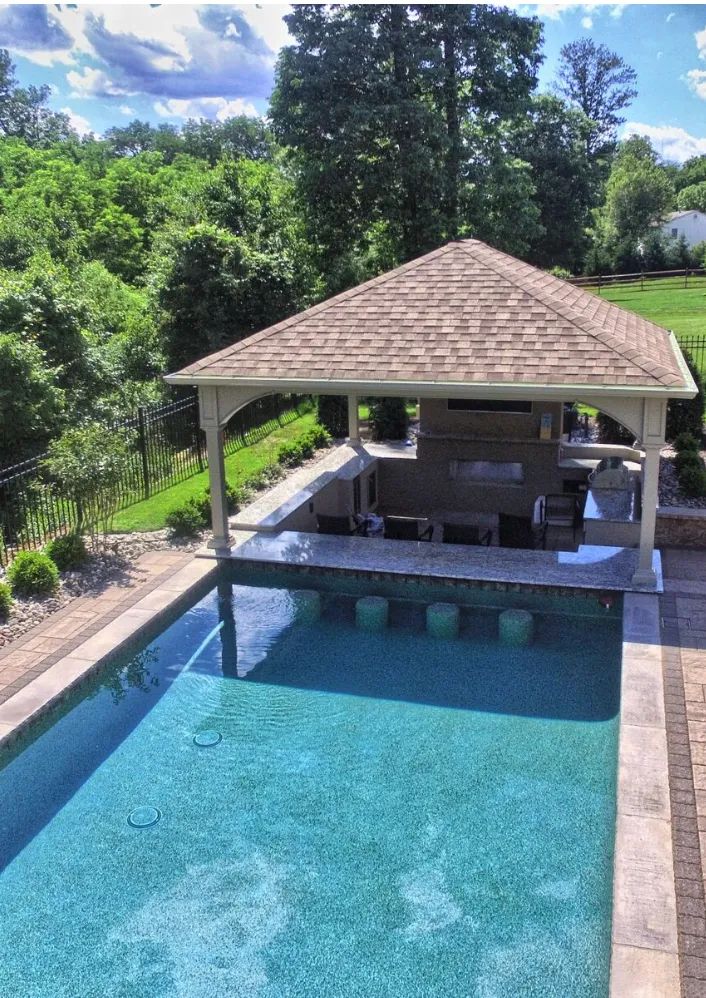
point(654, 419)
point(217, 479)
point(353, 428)
point(645, 574)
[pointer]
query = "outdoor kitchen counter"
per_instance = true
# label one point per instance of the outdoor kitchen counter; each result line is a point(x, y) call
point(612, 516)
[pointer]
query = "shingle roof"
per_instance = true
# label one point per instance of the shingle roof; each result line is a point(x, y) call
point(465, 313)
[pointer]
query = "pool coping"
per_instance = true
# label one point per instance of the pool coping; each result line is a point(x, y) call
point(644, 946)
point(644, 953)
point(137, 623)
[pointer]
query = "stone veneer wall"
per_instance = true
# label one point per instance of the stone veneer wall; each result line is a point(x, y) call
point(416, 488)
point(679, 527)
point(436, 417)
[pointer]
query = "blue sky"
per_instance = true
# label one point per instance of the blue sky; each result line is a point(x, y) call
point(110, 63)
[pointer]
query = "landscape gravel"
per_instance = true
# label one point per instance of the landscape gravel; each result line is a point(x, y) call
point(670, 493)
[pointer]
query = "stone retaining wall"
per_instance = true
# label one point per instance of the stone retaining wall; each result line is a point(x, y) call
point(680, 527)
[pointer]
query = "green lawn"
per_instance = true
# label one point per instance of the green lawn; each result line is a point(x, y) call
point(666, 302)
point(150, 514)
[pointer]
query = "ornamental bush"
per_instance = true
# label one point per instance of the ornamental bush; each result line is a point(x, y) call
point(692, 480)
point(33, 573)
point(388, 419)
point(332, 413)
point(610, 431)
point(686, 441)
point(67, 552)
point(234, 498)
point(290, 455)
point(187, 520)
point(687, 458)
point(687, 415)
point(5, 599)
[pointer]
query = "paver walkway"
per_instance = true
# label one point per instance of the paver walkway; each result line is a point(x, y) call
point(683, 610)
point(59, 634)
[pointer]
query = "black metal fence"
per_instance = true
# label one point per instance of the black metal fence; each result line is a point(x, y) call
point(168, 447)
point(696, 346)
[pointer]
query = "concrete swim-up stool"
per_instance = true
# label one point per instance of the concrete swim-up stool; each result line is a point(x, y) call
point(371, 613)
point(516, 627)
point(443, 620)
point(307, 605)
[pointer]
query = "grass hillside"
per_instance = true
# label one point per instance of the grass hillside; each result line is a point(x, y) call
point(151, 514)
point(666, 302)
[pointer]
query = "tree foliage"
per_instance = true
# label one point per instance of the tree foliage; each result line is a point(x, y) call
point(384, 108)
point(601, 85)
point(88, 463)
point(693, 197)
point(32, 406)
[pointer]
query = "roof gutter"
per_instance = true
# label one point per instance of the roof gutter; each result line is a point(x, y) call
point(438, 389)
point(683, 366)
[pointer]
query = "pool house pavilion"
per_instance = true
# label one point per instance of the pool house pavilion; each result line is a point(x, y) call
point(493, 349)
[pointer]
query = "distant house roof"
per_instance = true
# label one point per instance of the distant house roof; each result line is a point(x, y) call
point(465, 314)
point(673, 215)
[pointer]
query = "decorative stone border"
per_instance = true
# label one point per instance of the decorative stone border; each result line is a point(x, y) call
point(644, 960)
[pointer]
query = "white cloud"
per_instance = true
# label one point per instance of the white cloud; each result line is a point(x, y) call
point(671, 142)
point(554, 11)
point(587, 22)
point(617, 11)
point(670, 17)
point(696, 81)
point(126, 109)
point(77, 121)
point(205, 107)
point(700, 37)
point(91, 82)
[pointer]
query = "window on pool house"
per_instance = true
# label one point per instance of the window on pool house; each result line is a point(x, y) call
point(487, 472)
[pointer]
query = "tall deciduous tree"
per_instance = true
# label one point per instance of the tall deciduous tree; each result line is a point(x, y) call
point(552, 139)
point(601, 84)
point(480, 65)
point(639, 194)
point(381, 105)
point(23, 110)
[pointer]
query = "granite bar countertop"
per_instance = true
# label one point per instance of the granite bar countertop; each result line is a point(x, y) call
point(592, 567)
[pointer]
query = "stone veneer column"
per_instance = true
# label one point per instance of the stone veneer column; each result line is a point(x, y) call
point(353, 428)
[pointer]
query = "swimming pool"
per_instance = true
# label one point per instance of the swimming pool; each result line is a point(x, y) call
point(380, 814)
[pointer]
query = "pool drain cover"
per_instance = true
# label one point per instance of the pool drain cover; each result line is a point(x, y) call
point(143, 817)
point(205, 739)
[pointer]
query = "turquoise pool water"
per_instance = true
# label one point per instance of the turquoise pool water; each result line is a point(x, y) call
point(384, 815)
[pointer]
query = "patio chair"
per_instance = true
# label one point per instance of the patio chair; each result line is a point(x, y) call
point(465, 533)
point(521, 532)
point(327, 523)
point(564, 509)
point(406, 528)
